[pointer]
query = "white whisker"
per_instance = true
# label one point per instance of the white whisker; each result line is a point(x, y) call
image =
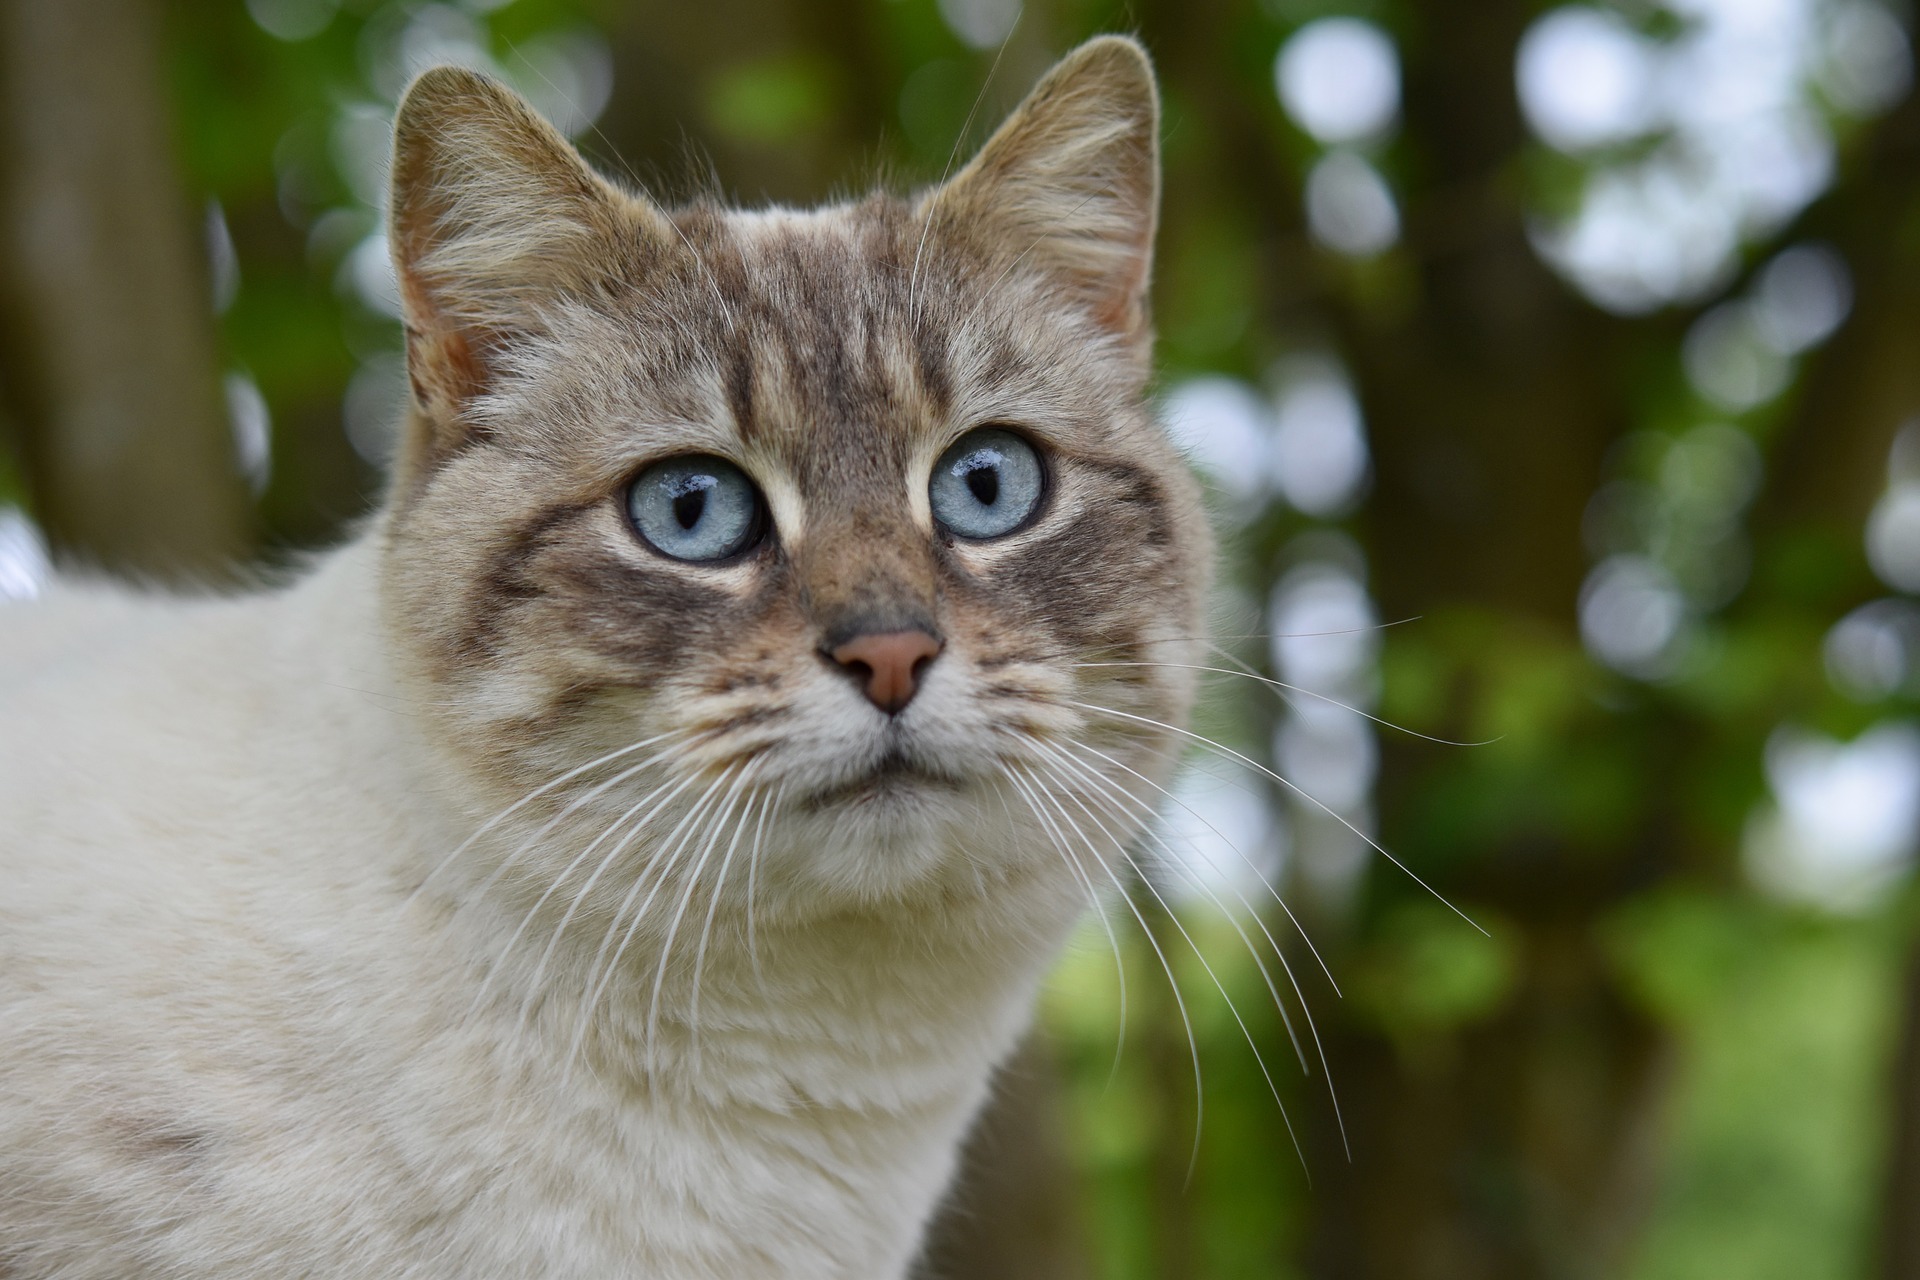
point(1274, 893)
point(709, 835)
point(1173, 984)
point(1150, 821)
point(1199, 955)
point(529, 798)
point(1296, 789)
point(1113, 939)
point(612, 856)
point(1298, 691)
point(753, 867)
point(660, 866)
point(1313, 1030)
point(713, 904)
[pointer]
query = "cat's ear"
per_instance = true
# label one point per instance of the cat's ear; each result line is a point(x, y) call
point(1071, 181)
point(493, 216)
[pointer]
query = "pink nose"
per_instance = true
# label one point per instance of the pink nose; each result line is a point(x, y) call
point(888, 665)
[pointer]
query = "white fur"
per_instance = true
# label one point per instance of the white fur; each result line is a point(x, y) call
point(233, 1047)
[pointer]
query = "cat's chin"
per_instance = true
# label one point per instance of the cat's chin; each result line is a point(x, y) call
point(894, 781)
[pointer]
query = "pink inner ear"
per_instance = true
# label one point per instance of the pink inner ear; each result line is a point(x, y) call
point(445, 370)
point(444, 364)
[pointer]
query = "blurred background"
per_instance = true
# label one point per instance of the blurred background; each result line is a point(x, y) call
point(1555, 374)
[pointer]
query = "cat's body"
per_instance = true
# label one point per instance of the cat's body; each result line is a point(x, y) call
point(505, 898)
point(247, 1057)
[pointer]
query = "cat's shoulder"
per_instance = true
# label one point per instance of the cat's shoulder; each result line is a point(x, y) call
point(66, 624)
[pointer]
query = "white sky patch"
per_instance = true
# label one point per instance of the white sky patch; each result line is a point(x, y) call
point(1320, 460)
point(1339, 79)
point(360, 143)
point(1324, 633)
point(1226, 428)
point(252, 425)
point(1329, 752)
point(1731, 106)
point(372, 407)
point(1866, 62)
point(1844, 819)
point(1632, 615)
point(24, 566)
point(1801, 297)
point(367, 274)
point(981, 23)
point(1729, 361)
point(292, 19)
point(1350, 208)
point(567, 76)
point(1585, 78)
point(399, 42)
point(1893, 536)
point(1871, 652)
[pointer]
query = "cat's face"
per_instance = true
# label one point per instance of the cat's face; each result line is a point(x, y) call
point(832, 507)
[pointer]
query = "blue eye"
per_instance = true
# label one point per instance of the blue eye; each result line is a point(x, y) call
point(986, 484)
point(696, 508)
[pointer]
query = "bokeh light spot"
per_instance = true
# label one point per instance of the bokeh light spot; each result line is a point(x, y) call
point(1349, 206)
point(1585, 79)
point(1320, 462)
point(1339, 78)
point(1632, 615)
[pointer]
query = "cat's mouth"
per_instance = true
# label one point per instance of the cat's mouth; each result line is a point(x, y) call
point(893, 775)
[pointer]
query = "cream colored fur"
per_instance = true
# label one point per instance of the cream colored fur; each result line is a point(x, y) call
point(285, 988)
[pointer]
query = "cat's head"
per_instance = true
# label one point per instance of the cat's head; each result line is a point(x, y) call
point(834, 506)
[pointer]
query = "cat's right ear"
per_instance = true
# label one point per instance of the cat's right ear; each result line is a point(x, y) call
point(1070, 184)
point(493, 216)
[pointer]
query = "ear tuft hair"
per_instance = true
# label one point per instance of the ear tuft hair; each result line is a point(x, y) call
point(493, 214)
point(1071, 181)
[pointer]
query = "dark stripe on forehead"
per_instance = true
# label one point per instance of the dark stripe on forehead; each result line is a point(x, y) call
point(930, 354)
point(740, 390)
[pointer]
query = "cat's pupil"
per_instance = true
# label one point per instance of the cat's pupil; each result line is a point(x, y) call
point(687, 507)
point(984, 483)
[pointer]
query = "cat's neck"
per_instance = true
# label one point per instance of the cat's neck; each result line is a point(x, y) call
point(887, 1009)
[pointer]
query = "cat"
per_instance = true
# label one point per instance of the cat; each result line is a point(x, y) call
point(632, 853)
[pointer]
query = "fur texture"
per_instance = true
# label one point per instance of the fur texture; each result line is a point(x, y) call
point(504, 898)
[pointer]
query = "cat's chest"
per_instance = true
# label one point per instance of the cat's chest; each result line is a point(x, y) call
point(784, 1139)
point(434, 1155)
point(524, 1173)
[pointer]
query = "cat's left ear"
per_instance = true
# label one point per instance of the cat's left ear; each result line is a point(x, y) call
point(1071, 183)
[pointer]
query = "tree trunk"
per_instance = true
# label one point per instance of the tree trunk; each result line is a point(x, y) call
point(108, 364)
point(1900, 1214)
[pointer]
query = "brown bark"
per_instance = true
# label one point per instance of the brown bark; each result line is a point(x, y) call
point(1900, 1205)
point(108, 364)
point(1831, 465)
point(1828, 469)
point(1520, 1148)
